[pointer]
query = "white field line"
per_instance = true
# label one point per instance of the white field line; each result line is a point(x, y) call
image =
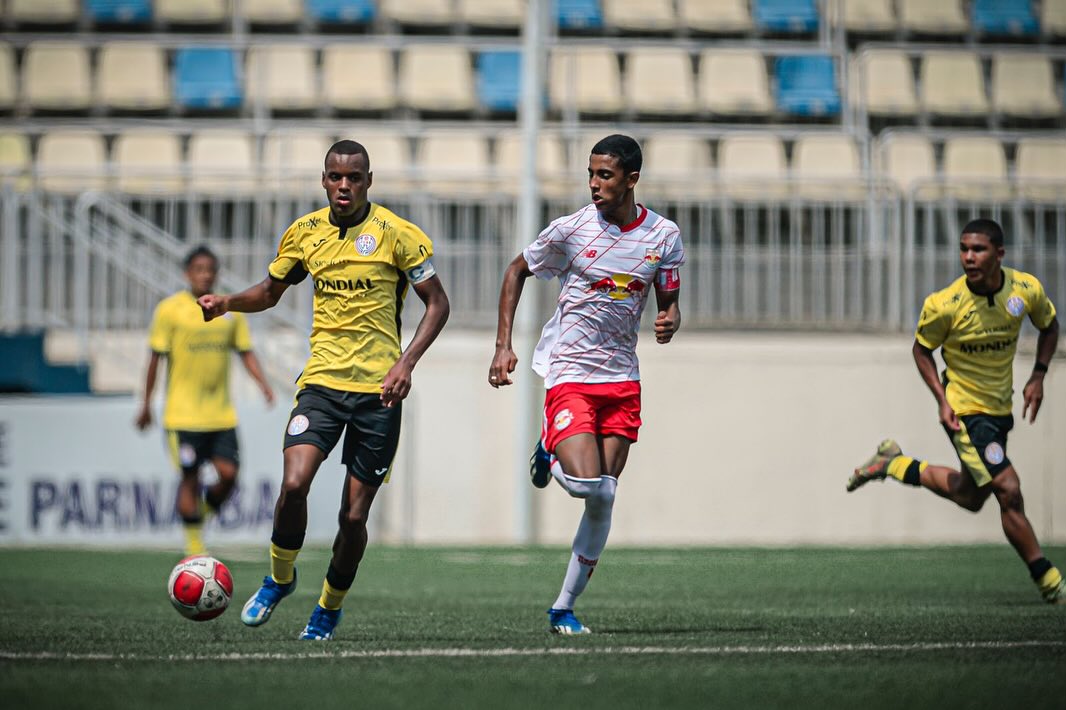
point(528, 652)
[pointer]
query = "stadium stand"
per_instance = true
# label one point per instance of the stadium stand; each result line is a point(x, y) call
point(454, 163)
point(645, 91)
point(147, 162)
point(341, 12)
point(807, 85)
point(390, 161)
point(753, 166)
point(952, 85)
point(785, 16)
point(677, 165)
point(272, 12)
point(909, 162)
point(417, 12)
point(119, 12)
point(44, 12)
point(8, 84)
point(70, 161)
point(586, 79)
point(292, 160)
point(1005, 18)
point(827, 167)
point(55, 77)
point(734, 83)
point(941, 18)
point(1038, 165)
point(1023, 86)
point(491, 14)
point(639, 16)
point(132, 76)
point(204, 13)
point(867, 17)
point(887, 83)
point(499, 75)
point(16, 162)
point(370, 89)
point(714, 16)
point(1053, 18)
point(220, 161)
point(975, 168)
point(437, 78)
point(282, 78)
point(578, 14)
point(207, 79)
point(553, 170)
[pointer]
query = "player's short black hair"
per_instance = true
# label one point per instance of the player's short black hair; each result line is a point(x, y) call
point(349, 147)
point(988, 227)
point(198, 252)
point(622, 147)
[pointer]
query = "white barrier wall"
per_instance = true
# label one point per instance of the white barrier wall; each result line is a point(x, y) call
point(747, 439)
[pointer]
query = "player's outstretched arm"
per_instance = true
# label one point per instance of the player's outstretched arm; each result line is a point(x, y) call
point(923, 358)
point(253, 299)
point(504, 360)
point(144, 416)
point(1033, 394)
point(397, 384)
point(251, 364)
point(668, 320)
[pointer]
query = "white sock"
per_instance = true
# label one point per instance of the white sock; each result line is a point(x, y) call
point(589, 542)
point(576, 487)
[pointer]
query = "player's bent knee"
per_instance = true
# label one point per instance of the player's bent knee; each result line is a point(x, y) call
point(579, 487)
point(295, 486)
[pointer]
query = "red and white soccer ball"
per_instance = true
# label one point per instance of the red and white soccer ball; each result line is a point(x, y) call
point(200, 588)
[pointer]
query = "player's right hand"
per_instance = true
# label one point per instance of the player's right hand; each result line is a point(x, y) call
point(948, 417)
point(503, 364)
point(212, 305)
point(144, 418)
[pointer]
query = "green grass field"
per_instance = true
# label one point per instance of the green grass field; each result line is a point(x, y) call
point(461, 628)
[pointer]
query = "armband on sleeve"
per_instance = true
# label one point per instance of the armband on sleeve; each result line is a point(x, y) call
point(668, 279)
point(422, 272)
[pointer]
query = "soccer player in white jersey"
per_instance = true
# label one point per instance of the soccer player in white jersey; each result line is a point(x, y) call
point(607, 257)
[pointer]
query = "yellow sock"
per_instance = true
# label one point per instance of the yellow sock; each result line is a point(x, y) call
point(282, 562)
point(331, 598)
point(897, 467)
point(194, 538)
point(1050, 581)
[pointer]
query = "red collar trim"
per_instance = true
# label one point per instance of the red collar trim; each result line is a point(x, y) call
point(637, 222)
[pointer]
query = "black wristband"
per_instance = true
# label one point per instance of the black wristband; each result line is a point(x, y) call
point(1039, 367)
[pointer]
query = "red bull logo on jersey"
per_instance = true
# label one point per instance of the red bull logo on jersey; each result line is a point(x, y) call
point(619, 286)
point(652, 257)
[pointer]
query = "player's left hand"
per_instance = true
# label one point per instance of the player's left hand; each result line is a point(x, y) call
point(1033, 395)
point(665, 327)
point(268, 395)
point(397, 384)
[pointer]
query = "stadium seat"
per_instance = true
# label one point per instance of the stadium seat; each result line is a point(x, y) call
point(119, 12)
point(390, 161)
point(975, 168)
point(8, 83)
point(639, 15)
point(645, 91)
point(807, 86)
point(71, 161)
point(1003, 18)
point(585, 78)
point(952, 84)
point(358, 77)
point(437, 77)
point(864, 16)
point(785, 16)
point(272, 12)
point(888, 83)
point(417, 12)
point(192, 12)
point(55, 76)
point(733, 82)
point(907, 160)
point(714, 16)
point(1053, 18)
point(293, 160)
point(15, 165)
point(495, 14)
point(148, 162)
point(454, 162)
point(826, 167)
point(220, 162)
point(1023, 86)
point(205, 78)
point(753, 166)
point(554, 175)
point(677, 166)
point(578, 14)
point(44, 12)
point(1040, 169)
point(132, 76)
point(943, 17)
point(499, 79)
point(282, 77)
point(341, 12)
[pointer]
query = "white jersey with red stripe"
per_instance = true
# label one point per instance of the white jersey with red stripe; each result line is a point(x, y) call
point(606, 273)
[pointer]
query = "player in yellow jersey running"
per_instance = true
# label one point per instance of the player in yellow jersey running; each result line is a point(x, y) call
point(975, 322)
point(361, 259)
point(199, 417)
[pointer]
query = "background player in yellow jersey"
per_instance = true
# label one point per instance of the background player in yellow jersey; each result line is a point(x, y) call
point(975, 322)
point(199, 417)
point(361, 259)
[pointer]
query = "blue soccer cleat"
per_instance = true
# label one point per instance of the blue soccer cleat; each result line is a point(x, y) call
point(540, 470)
point(563, 621)
point(321, 624)
point(258, 609)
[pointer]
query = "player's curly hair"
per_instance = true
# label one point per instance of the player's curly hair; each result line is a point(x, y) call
point(198, 252)
point(988, 227)
point(622, 147)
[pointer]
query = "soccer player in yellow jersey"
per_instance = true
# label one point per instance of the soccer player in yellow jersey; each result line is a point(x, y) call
point(199, 418)
point(975, 322)
point(361, 259)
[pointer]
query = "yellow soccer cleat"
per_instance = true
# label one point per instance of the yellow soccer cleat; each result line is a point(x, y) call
point(876, 467)
point(1053, 587)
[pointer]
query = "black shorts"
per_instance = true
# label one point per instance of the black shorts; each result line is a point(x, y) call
point(982, 445)
point(191, 449)
point(373, 430)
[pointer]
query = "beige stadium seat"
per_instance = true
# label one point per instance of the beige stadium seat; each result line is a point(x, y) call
point(826, 167)
point(864, 16)
point(888, 83)
point(282, 76)
point(491, 13)
point(358, 77)
point(907, 160)
point(8, 83)
point(1023, 87)
point(677, 166)
point(220, 161)
point(1040, 169)
point(454, 162)
point(554, 173)
point(437, 77)
point(417, 12)
point(639, 15)
point(975, 168)
point(148, 162)
point(71, 161)
point(938, 17)
point(293, 161)
point(192, 12)
point(272, 12)
point(753, 167)
point(1053, 17)
point(714, 16)
point(55, 76)
point(44, 12)
point(734, 82)
point(585, 78)
point(15, 164)
point(952, 84)
point(645, 90)
point(132, 76)
point(390, 161)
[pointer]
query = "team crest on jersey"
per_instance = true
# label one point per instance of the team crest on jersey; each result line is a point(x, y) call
point(994, 453)
point(652, 257)
point(618, 286)
point(298, 425)
point(365, 244)
point(1015, 306)
point(563, 419)
point(186, 455)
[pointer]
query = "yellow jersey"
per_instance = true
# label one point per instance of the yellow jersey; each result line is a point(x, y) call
point(198, 362)
point(979, 337)
point(360, 276)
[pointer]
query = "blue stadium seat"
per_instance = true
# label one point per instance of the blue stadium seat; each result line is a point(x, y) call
point(499, 79)
point(578, 14)
point(792, 16)
point(341, 11)
point(806, 86)
point(119, 11)
point(205, 78)
point(1005, 17)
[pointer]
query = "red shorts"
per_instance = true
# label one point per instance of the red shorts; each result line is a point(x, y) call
point(606, 408)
